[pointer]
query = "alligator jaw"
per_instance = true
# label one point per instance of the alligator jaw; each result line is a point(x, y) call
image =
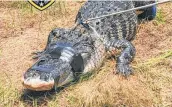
point(36, 84)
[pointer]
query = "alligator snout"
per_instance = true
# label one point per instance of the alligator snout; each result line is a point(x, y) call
point(45, 76)
point(34, 80)
point(53, 69)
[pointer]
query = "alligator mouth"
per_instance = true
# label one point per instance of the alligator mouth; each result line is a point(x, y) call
point(51, 70)
point(37, 84)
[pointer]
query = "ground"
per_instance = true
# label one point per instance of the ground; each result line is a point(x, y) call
point(24, 30)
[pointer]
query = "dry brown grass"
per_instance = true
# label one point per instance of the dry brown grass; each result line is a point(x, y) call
point(24, 30)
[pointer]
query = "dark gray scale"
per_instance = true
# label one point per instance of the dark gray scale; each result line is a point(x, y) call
point(124, 27)
point(103, 26)
point(103, 7)
point(132, 27)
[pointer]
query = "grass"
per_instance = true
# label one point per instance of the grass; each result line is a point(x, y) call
point(25, 29)
point(154, 61)
point(160, 17)
point(105, 89)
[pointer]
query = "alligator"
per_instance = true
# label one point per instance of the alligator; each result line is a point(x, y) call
point(82, 49)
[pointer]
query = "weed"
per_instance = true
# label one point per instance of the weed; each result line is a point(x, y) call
point(160, 19)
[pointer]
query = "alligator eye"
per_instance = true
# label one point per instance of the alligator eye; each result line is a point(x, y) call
point(41, 62)
point(54, 33)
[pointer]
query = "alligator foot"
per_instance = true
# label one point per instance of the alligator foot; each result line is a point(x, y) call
point(126, 56)
point(123, 69)
point(39, 82)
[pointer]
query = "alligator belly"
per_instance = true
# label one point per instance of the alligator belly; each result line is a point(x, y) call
point(96, 59)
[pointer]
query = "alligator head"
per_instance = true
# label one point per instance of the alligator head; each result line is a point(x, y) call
point(56, 67)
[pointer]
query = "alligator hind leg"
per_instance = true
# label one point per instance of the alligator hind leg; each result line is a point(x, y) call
point(126, 56)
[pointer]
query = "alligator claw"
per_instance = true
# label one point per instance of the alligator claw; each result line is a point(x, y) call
point(37, 54)
point(124, 69)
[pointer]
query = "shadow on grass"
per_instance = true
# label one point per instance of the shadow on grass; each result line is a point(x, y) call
point(39, 98)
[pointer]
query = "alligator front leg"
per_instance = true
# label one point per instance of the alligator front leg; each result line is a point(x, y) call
point(52, 38)
point(126, 56)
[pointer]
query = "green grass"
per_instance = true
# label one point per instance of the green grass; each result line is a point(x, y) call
point(154, 61)
point(160, 18)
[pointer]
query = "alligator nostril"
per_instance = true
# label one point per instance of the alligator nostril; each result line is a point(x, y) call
point(97, 23)
point(45, 76)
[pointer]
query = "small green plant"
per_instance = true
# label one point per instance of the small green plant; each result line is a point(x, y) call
point(154, 61)
point(160, 19)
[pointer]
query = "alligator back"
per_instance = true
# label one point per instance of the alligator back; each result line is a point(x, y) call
point(116, 26)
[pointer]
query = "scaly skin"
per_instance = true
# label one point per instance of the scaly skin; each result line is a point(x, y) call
point(83, 49)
